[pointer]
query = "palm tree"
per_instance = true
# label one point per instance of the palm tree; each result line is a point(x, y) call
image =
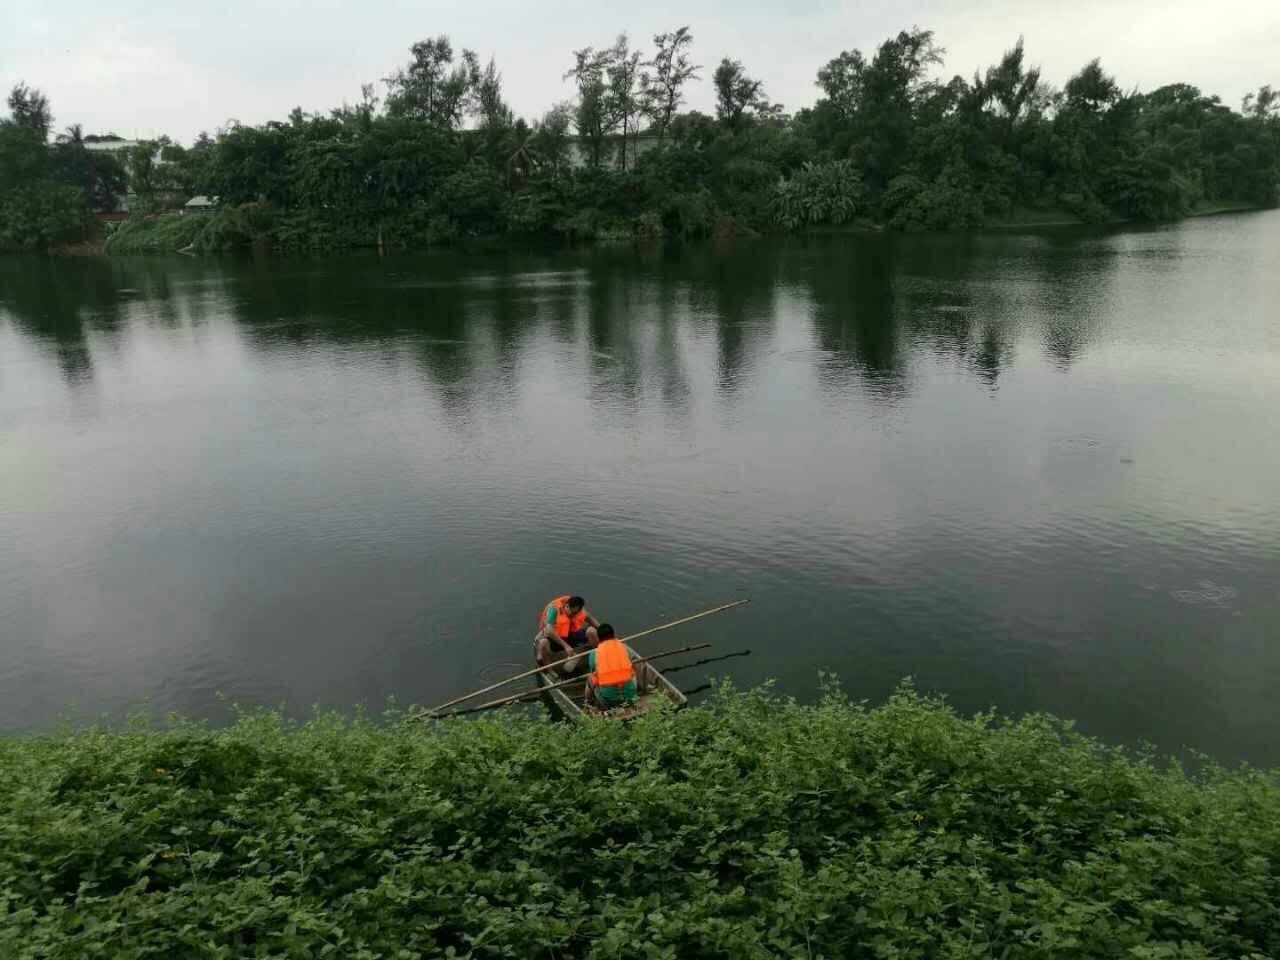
point(524, 157)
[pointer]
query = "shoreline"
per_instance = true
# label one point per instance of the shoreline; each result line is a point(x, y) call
point(175, 233)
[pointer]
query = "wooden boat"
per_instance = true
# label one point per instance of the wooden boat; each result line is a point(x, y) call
point(567, 702)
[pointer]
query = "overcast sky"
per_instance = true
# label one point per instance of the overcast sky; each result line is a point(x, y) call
point(144, 68)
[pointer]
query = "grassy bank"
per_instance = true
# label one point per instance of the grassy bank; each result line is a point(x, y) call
point(166, 234)
point(262, 226)
point(751, 828)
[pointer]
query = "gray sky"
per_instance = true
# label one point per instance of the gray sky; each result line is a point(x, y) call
point(143, 68)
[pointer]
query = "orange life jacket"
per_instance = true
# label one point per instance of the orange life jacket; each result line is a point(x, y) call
point(613, 665)
point(565, 624)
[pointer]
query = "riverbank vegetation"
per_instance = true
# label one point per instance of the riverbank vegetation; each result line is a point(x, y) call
point(436, 154)
point(48, 190)
point(753, 827)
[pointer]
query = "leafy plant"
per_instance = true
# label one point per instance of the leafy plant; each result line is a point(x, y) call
point(948, 203)
point(753, 827)
point(819, 193)
point(40, 215)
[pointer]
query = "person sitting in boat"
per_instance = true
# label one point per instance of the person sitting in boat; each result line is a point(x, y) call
point(612, 680)
point(567, 625)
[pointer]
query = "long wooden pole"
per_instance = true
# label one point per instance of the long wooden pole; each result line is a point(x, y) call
point(676, 623)
point(528, 696)
point(563, 683)
point(574, 656)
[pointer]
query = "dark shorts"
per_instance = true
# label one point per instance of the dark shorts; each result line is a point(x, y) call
point(577, 640)
point(615, 694)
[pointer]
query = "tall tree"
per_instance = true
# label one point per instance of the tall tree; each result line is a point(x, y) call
point(1263, 104)
point(29, 109)
point(551, 138)
point(522, 158)
point(100, 175)
point(24, 154)
point(42, 193)
point(1015, 91)
point(432, 88)
point(870, 110)
point(672, 67)
point(736, 93)
point(623, 73)
point(1091, 120)
point(1092, 90)
point(843, 80)
point(491, 110)
point(596, 115)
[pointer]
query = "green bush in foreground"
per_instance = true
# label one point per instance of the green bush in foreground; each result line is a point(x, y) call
point(751, 828)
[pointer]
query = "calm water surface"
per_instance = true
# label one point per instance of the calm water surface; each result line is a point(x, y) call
point(1040, 472)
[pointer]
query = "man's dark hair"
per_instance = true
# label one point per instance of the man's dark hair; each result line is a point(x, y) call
point(605, 632)
point(576, 603)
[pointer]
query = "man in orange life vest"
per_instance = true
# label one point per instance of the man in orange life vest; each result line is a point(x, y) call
point(567, 625)
point(612, 681)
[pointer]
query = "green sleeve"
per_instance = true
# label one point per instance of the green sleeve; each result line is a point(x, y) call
point(550, 615)
point(591, 661)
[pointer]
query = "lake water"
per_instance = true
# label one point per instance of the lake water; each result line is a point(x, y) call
point(1034, 471)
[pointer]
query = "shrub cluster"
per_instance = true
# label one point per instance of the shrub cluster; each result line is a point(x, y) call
point(754, 827)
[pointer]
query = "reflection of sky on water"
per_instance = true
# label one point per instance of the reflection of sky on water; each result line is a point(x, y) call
point(1035, 471)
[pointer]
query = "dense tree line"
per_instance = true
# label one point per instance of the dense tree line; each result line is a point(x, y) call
point(439, 154)
point(48, 189)
point(50, 186)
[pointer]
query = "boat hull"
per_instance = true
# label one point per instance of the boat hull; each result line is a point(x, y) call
point(566, 703)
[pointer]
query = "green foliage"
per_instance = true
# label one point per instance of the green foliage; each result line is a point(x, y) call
point(101, 175)
point(672, 67)
point(29, 110)
point(888, 141)
point(692, 214)
point(473, 197)
point(737, 94)
point(872, 107)
point(550, 141)
point(751, 828)
point(165, 234)
point(251, 163)
point(41, 215)
point(432, 88)
point(830, 193)
point(229, 228)
point(539, 208)
point(947, 202)
point(153, 182)
point(43, 201)
point(609, 101)
point(1149, 186)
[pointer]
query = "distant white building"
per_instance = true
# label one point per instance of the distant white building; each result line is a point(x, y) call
point(110, 146)
point(200, 204)
point(113, 145)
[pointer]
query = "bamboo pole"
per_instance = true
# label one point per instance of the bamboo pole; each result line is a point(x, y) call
point(528, 696)
point(574, 656)
point(556, 686)
point(676, 623)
